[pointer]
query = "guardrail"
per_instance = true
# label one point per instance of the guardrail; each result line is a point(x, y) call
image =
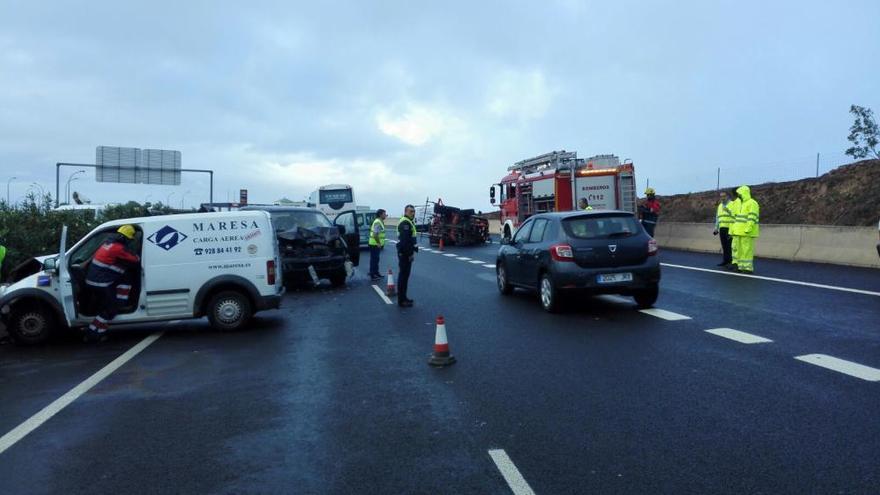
point(854, 246)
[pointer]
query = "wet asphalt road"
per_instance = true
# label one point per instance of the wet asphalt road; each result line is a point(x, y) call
point(332, 393)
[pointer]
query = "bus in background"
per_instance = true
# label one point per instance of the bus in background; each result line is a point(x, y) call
point(332, 199)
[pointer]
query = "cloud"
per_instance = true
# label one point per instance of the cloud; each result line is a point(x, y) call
point(418, 124)
point(522, 95)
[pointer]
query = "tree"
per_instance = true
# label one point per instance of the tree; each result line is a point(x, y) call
point(864, 134)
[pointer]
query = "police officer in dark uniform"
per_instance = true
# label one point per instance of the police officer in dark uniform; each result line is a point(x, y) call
point(407, 247)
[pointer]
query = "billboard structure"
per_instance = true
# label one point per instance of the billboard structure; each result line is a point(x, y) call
point(137, 166)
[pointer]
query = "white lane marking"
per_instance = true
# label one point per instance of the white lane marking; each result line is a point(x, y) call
point(392, 241)
point(476, 262)
point(462, 258)
point(742, 337)
point(773, 279)
point(518, 485)
point(618, 299)
point(34, 422)
point(489, 266)
point(666, 315)
point(381, 294)
point(842, 366)
point(450, 254)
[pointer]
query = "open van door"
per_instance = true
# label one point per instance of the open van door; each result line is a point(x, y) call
point(65, 285)
point(348, 221)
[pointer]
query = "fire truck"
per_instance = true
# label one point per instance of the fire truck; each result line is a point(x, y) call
point(544, 183)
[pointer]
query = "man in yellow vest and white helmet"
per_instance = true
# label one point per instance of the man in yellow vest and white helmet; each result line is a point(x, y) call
point(746, 228)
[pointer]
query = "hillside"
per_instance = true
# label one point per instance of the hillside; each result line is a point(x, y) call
point(847, 195)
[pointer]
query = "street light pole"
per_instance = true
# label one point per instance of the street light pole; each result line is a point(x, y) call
point(7, 189)
point(168, 199)
point(71, 178)
point(182, 196)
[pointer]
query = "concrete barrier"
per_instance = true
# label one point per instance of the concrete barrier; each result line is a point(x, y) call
point(854, 246)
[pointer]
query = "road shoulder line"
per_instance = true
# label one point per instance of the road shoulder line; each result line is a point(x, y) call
point(774, 279)
point(34, 422)
point(518, 485)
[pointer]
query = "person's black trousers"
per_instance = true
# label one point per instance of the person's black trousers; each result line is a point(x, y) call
point(403, 268)
point(375, 252)
point(726, 240)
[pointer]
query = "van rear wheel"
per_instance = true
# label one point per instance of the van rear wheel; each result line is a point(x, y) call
point(229, 310)
point(31, 325)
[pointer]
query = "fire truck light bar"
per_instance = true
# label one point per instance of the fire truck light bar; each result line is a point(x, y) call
point(598, 171)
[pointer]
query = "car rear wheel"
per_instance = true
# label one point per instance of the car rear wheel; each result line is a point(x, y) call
point(548, 294)
point(646, 298)
point(229, 310)
point(504, 286)
point(31, 325)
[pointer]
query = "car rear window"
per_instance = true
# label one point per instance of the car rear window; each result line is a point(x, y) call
point(601, 227)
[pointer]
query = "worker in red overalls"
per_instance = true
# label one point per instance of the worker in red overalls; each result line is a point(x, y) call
point(105, 272)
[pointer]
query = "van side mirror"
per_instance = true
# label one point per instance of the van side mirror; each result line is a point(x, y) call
point(50, 265)
point(492, 195)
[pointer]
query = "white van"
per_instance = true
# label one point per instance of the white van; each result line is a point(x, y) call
point(220, 265)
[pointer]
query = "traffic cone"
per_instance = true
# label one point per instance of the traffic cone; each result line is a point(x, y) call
point(390, 289)
point(441, 356)
point(441, 244)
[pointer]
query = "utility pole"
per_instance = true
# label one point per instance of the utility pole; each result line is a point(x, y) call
point(7, 189)
point(718, 180)
point(817, 164)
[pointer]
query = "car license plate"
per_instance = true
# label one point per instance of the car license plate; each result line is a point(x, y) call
point(610, 278)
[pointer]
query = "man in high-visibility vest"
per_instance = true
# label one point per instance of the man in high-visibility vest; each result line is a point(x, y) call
point(649, 211)
point(407, 247)
point(2, 257)
point(746, 228)
point(377, 243)
point(723, 220)
point(584, 205)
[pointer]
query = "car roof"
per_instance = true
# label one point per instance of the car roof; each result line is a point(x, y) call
point(273, 208)
point(561, 215)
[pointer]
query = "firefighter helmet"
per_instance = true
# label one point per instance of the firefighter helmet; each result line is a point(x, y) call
point(127, 231)
point(649, 190)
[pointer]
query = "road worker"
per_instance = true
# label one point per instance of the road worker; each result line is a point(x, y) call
point(649, 211)
point(584, 205)
point(723, 221)
point(377, 243)
point(746, 228)
point(105, 272)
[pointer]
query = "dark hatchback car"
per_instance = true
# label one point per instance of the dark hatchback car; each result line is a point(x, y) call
point(308, 239)
point(598, 252)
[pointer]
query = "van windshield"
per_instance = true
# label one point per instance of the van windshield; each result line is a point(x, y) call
point(289, 220)
point(604, 227)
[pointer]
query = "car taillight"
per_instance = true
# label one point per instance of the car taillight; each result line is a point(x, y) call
point(652, 247)
point(561, 252)
point(270, 272)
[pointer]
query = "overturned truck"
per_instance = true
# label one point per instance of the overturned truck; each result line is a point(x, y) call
point(457, 227)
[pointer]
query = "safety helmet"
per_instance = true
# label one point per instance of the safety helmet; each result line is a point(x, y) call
point(649, 190)
point(127, 230)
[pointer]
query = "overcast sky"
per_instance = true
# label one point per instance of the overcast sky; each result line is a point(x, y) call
point(408, 100)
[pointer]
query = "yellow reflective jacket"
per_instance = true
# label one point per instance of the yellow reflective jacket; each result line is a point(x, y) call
point(723, 216)
point(747, 219)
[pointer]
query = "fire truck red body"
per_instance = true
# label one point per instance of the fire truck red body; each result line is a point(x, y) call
point(544, 183)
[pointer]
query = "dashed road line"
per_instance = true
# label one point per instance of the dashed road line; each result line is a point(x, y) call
point(741, 337)
point(773, 279)
point(842, 366)
point(518, 485)
point(489, 266)
point(450, 254)
point(381, 294)
point(476, 262)
point(34, 422)
point(462, 258)
point(665, 315)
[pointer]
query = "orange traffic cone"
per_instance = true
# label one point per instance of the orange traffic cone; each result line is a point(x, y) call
point(441, 243)
point(441, 356)
point(390, 289)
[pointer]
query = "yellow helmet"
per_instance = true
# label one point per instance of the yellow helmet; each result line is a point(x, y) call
point(649, 190)
point(127, 230)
